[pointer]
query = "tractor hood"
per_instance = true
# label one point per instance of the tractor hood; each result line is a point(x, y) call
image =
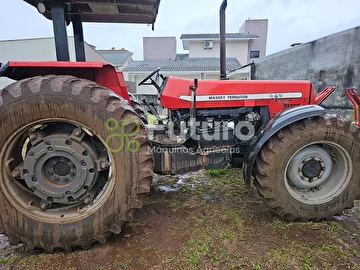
point(107, 11)
point(176, 93)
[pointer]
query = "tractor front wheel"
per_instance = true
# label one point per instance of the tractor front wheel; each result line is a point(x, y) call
point(309, 170)
point(74, 162)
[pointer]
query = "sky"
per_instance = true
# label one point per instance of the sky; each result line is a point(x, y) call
point(290, 21)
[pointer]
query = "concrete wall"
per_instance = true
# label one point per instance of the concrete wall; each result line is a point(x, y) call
point(238, 49)
point(332, 60)
point(159, 48)
point(260, 28)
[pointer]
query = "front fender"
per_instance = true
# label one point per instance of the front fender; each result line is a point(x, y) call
point(271, 127)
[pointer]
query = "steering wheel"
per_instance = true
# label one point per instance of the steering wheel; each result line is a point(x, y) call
point(143, 82)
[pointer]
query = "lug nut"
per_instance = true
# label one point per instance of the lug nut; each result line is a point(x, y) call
point(67, 192)
point(105, 164)
point(34, 179)
point(83, 163)
point(57, 178)
point(50, 172)
point(87, 200)
point(50, 148)
point(32, 137)
point(77, 132)
point(66, 179)
point(15, 174)
point(72, 173)
point(44, 205)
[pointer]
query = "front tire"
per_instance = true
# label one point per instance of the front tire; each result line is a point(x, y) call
point(309, 170)
point(66, 180)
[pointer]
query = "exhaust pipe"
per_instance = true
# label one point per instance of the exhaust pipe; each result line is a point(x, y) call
point(223, 41)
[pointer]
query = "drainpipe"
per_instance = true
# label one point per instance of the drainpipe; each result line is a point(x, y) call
point(223, 41)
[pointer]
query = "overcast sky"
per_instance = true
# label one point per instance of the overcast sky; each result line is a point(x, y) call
point(289, 21)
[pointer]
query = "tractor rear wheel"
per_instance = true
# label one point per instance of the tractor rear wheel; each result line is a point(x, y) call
point(74, 162)
point(309, 170)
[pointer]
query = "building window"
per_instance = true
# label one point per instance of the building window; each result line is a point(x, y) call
point(254, 54)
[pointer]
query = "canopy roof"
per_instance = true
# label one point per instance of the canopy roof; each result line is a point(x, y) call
point(107, 11)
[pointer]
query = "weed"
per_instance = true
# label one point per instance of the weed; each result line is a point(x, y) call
point(8, 259)
point(331, 248)
point(216, 173)
point(146, 249)
point(334, 227)
point(194, 258)
point(142, 260)
point(173, 229)
point(308, 262)
point(125, 264)
point(257, 266)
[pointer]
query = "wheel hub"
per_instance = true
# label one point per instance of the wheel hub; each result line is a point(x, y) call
point(313, 169)
point(310, 167)
point(61, 168)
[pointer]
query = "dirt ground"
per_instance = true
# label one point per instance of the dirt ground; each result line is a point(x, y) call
point(208, 220)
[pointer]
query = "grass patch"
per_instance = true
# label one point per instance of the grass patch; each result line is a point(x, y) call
point(334, 227)
point(213, 239)
point(216, 173)
point(8, 260)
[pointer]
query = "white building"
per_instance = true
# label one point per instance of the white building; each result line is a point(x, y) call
point(208, 45)
point(39, 49)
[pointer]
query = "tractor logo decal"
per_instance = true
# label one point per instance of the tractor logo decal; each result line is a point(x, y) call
point(243, 96)
point(118, 138)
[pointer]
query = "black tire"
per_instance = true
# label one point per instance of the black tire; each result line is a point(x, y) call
point(48, 99)
point(138, 108)
point(284, 174)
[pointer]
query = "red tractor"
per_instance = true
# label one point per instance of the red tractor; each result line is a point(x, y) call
point(76, 157)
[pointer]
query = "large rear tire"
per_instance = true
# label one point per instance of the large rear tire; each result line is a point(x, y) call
point(310, 170)
point(74, 162)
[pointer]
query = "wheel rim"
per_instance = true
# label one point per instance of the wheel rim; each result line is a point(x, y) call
point(62, 173)
point(318, 173)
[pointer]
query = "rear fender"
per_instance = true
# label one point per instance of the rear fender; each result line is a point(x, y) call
point(271, 127)
point(104, 74)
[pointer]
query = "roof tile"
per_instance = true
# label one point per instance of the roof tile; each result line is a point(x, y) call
point(187, 64)
point(116, 57)
point(217, 36)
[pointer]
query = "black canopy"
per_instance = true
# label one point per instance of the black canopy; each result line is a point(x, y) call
point(107, 11)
